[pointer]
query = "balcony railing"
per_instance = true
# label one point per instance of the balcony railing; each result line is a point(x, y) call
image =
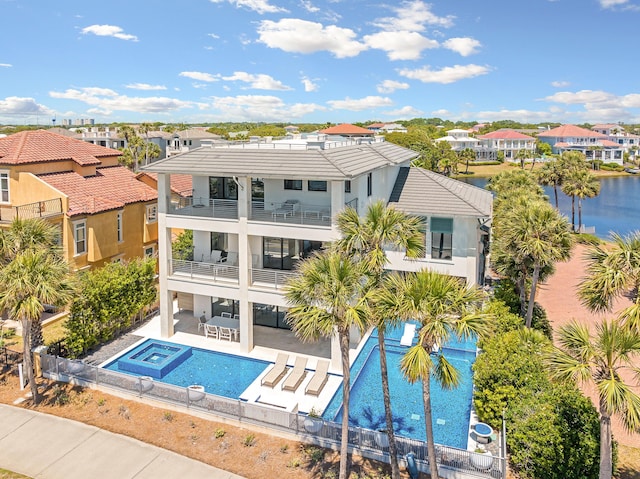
point(206, 271)
point(205, 207)
point(39, 209)
point(291, 213)
point(271, 278)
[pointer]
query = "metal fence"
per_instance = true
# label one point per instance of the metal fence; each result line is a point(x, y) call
point(372, 444)
point(272, 277)
point(205, 207)
point(197, 269)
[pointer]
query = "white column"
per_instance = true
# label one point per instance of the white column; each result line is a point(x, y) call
point(336, 355)
point(164, 256)
point(244, 264)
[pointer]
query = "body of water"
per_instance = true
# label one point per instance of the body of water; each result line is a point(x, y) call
point(616, 208)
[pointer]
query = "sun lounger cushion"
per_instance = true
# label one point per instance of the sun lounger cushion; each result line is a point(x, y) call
point(319, 378)
point(276, 372)
point(296, 375)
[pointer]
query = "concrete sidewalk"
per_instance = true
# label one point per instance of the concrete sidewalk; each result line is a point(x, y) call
point(48, 447)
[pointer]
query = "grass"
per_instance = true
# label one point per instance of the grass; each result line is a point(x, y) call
point(4, 474)
point(628, 462)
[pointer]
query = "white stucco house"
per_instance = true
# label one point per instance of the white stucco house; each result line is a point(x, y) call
point(592, 144)
point(260, 208)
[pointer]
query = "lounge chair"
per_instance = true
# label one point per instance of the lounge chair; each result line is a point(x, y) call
point(409, 333)
point(296, 375)
point(319, 379)
point(278, 370)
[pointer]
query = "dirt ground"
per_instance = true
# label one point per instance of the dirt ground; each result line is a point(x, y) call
point(558, 297)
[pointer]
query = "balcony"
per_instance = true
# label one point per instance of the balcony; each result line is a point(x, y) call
point(205, 208)
point(270, 278)
point(214, 272)
point(39, 209)
point(291, 212)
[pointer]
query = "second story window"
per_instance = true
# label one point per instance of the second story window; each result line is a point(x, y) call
point(317, 185)
point(293, 184)
point(4, 187)
point(80, 237)
point(441, 238)
point(369, 184)
point(119, 227)
point(347, 186)
point(152, 213)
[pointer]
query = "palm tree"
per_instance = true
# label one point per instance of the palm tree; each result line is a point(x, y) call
point(365, 239)
point(145, 128)
point(522, 155)
point(30, 280)
point(614, 271)
point(603, 360)
point(467, 155)
point(549, 175)
point(328, 296)
point(444, 308)
point(581, 184)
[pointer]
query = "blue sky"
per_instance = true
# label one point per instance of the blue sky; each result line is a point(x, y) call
point(295, 61)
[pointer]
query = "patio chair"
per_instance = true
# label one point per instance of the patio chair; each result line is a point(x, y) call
point(225, 333)
point(319, 379)
point(408, 334)
point(216, 256)
point(236, 316)
point(231, 259)
point(201, 322)
point(296, 375)
point(225, 315)
point(288, 208)
point(211, 331)
point(278, 370)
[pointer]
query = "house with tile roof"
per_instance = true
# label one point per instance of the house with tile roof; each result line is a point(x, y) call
point(617, 134)
point(258, 209)
point(592, 144)
point(508, 141)
point(104, 213)
point(347, 130)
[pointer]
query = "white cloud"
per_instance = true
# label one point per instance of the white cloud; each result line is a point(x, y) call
point(524, 116)
point(400, 45)
point(560, 84)
point(108, 100)
point(258, 6)
point(612, 3)
point(446, 74)
point(360, 104)
point(389, 86)
point(465, 46)
point(14, 105)
point(200, 76)
point(309, 7)
point(300, 36)
point(261, 108)
point(109, 31)
point(259, 81)
point(599, 106)
point(404, 113)
point(309, 84)
point(413, 16)
point(582, 97)
point(213, 35)
point(145, 86)
point(6, 65)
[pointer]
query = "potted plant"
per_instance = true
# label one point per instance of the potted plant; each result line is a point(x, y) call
point(313, 422)
point(481, 458)
point(195, 392)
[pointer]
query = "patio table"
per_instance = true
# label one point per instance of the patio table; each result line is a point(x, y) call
point(221, 322)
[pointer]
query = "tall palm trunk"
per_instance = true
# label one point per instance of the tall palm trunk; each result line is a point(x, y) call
point(606, 465)
point(26, 358)
point(573, 213)
point(37, 338)
point(428, 419)
point(386, 396)
point(555, 193)
point(579, 214)
point(532, 294)
point(343, 336)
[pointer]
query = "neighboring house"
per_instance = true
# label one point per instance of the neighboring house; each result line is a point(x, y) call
point(104, 213)
point(459, 140)
point(387, 128)
point(509, 142)
point(107, 137)
point(162, 139)
point(617, 134)
point(291, 129)
point(192, 138)
point(347, 130)
point(258, 209)
point(592, 144)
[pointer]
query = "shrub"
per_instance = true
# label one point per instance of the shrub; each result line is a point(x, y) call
point(249, 440)
point(588, 239)
point(219, 433)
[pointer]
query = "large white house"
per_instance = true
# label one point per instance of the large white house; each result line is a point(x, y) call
point(260, 208)
point(592, 144)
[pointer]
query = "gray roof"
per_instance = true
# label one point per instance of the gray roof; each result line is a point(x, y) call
point(427, 193)
point(266, 161)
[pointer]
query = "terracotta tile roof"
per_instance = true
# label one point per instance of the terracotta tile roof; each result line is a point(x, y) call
point(346, 129)
point(610, 143)
point(606, 126)
point(571, 131)
point(376, 125)
point(37, 146)
point(180, 184)
point(111, 188)
point(505, 135)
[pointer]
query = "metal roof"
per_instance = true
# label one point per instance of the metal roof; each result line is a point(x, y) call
point(279, 161)
point(427, 193)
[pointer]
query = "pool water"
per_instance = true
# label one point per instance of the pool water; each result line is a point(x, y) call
point(450, 408)
point(221, 374)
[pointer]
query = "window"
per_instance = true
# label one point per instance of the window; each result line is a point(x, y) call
point(347, 186)
point(222, 188)
point(441, 238)
point(80, 237)
point(293, 184)
point(150, 251)
point(4, 186)
point(119, 227)
point(270, 315)
point(369, 184)
point(152, 213)
point(219, 241)
point(317, 185)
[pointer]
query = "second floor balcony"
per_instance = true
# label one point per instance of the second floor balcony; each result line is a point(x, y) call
point(39, 209)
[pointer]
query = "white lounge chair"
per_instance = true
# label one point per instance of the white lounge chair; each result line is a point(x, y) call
point(278, 370)
point(296, 375)
point(319, 379)
point(408, 334)
point(231, 259)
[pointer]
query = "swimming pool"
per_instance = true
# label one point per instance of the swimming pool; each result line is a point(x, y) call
point(450, 408)
point(222, 374)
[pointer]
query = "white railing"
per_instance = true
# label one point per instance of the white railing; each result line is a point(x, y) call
point(202, 270)
point(291, 213)
point(270, 277)
point(205, 207)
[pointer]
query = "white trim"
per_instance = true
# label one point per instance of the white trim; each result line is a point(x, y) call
point(119, 227)
point(151, 214)
point(76, 228)
point(8, 189)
